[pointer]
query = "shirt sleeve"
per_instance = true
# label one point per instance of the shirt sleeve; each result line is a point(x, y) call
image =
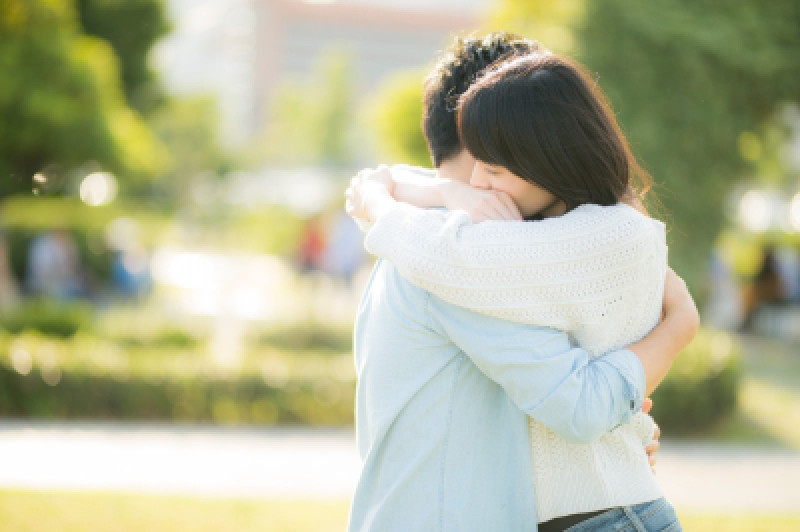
point(559, 385)
point(558, 272)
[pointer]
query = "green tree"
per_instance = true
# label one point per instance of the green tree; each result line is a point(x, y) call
point(396, 112)
point(691, 81)
point(132, 27)
point(62, 106)
point(551, 23)
point(188, 128)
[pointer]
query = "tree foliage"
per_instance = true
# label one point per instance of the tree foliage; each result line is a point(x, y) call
point(397, 120)
point(691, 81)
point(131, 27)
point(551, 23)
point(61, 106)
point(188, 128)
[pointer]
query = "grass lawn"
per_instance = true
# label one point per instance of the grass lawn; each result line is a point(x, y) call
point(739, 523)
point(80, 512)
point(88, 512)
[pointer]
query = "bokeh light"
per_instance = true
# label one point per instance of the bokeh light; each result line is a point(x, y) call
point(749, 146)
point(754, 211)
point(794, 212)
point(98, 188)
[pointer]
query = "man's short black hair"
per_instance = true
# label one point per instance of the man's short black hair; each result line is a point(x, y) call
point(458, 67)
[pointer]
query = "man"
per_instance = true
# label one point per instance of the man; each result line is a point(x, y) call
point(444, 393)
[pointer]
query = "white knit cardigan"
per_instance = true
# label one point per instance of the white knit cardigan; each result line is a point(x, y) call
point(596, 273)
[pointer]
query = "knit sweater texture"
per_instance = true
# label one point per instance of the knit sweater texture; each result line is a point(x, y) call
point(596, 273)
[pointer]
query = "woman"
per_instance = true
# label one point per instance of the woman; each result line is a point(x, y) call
point(547, 148)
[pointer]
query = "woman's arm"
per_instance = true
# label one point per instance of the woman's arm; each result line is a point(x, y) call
point(555, 272)
point(658, 350)
point(374, 190)
point(409, 185)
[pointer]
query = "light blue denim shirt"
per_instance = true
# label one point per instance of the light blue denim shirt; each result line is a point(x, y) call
point(441, 405)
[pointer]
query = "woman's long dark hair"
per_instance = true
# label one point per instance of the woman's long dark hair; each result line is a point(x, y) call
point(543, 118)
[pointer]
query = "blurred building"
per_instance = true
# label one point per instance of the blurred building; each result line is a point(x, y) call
point(241, 49)
point(211, 50)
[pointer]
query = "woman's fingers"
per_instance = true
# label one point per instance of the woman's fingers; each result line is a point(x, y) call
point(511, 209)
point(491, 210)
point(501, 207)
point(496, 205)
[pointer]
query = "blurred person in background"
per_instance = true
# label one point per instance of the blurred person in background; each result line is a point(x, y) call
point(767, 288)
point(440, 439)
point(312, 246)
point(344, 249)
point(8, 287)
point(788, 264)
point(724, 309)
point(130, 271)
point(54, 267)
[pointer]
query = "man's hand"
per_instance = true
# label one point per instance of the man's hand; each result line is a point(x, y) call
point(480, 204)
point(369, 193)
point(651, 448)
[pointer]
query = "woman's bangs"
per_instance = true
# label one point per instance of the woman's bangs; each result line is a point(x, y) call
point(478, 126)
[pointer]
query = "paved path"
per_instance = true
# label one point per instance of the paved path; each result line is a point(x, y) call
point(302, 462)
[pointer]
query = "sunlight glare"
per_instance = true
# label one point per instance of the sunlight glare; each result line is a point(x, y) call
point(98, 188)
point(754, 211)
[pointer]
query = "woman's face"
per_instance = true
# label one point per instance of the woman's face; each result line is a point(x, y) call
point(530, 199)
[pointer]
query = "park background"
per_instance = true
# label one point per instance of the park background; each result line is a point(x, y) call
point(174, 256)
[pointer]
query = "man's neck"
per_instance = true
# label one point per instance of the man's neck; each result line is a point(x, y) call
point(458, 168)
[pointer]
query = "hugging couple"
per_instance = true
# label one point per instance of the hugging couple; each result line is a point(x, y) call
point(521, 311)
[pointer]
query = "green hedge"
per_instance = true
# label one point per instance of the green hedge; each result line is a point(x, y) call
point(48, 317)
point(172, 377)
point(24, 217)
point(84, 377)
point(247, 399)
point(701, 388)
point(309, 335)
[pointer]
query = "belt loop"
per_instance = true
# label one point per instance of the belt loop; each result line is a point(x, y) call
point(637, 523)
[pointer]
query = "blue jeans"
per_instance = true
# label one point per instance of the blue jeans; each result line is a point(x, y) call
point(655, 516)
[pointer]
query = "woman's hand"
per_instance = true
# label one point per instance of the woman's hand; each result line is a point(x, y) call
point(369, 193)
point(480, 204)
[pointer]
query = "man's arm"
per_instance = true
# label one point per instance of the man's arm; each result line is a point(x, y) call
point(578, 398)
